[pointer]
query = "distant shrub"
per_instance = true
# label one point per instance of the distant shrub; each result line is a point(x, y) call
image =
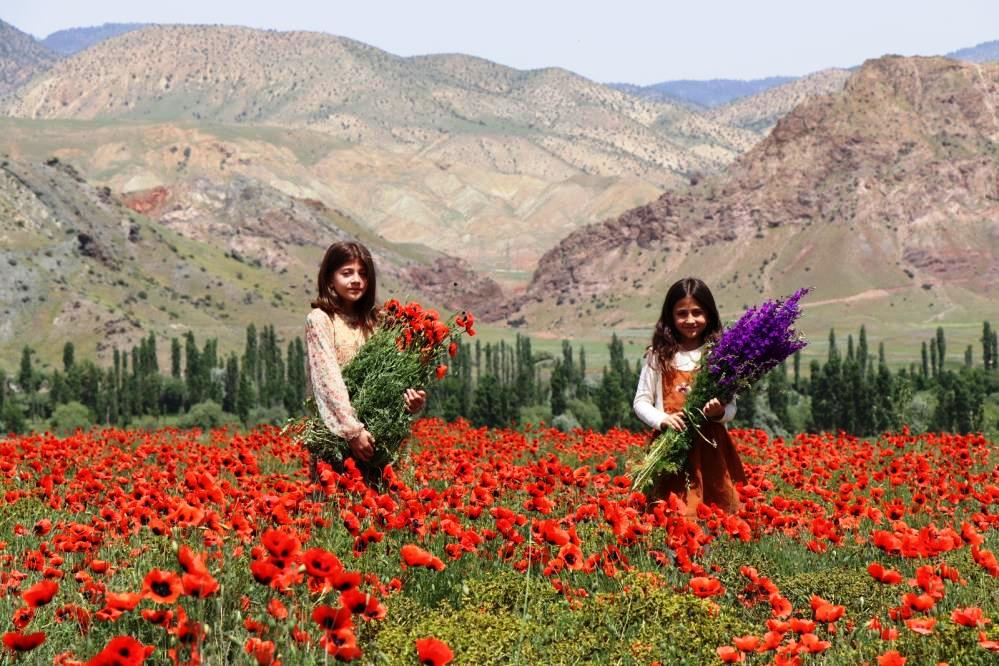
point(586, 412)
point(535, 414)
point(70, 417)
point(266, 416)
point(12, 418)
point(566, 421)
point(147, 423)
point(206, 415)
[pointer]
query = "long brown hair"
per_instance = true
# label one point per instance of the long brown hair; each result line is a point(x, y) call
point(665, 338)
point(338, 255)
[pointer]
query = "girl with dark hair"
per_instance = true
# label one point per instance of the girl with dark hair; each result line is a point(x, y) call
point(343, 317)
point(688, 321)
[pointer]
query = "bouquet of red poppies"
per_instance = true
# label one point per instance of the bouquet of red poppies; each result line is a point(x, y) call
point(407, 350)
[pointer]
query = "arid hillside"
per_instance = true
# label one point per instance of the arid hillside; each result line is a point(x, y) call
point(760, 112)
point(476, 159)
point(208, 257)
point(884, 196)
point(21, 58)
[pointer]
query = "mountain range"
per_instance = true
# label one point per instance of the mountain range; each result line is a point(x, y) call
point(73, 40)
point(884, 196)
point(481, 160)
point(521, 194)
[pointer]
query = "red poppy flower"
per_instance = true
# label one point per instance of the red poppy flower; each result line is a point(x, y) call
point(124, 601)
point(341, 644)
point(162, 586)
point(801, 625)
point(320, 563)
point(811, 643)
point(331, 619)
point(882, 575)
point(280, 544)
point(40, 593)
point(23, 617)
point(191, 562)
point(921, 625)
point(354, 600)
point(18, 642)
point(199, 585)
point(433, 652)
point(829, 612)
point(262, 651)
point(729, 654)
point(264, 571)
point(414, 556)
point(345, 580)
point(746, 643)
point(122, 651)
point(161, 617)
point(374, 609)
point(891, 658)
point(705, 586)
point(969, 617)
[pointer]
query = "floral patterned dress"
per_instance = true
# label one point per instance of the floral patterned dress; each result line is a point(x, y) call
point(713, 466)
point(330, 344)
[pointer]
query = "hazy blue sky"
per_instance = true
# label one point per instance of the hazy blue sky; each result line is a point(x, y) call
point(605, 40)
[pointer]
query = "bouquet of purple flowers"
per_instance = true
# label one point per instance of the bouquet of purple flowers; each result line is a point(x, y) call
point(762, 338)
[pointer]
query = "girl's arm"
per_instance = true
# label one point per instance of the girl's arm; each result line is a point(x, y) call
point(729, 411)
point(332, 399)
point(726, 410)
point(644, 403)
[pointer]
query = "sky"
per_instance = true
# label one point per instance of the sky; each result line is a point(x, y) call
point(604, 40)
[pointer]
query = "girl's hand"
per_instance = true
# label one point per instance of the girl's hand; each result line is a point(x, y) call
point(674, 421)
point(415, 400)
point(714, 409)
point(363, 446)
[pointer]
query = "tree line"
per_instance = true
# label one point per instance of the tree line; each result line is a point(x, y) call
point(263, 384)
point(497, 385)
point(854, 390)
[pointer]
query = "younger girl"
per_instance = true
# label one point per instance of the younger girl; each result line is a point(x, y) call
point(343, 317)
point(689, 319)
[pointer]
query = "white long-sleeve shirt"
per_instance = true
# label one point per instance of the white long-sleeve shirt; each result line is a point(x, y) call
point(648, 403)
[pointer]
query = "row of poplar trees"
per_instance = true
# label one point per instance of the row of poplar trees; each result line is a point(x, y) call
point(500, 384)
point(265, 376)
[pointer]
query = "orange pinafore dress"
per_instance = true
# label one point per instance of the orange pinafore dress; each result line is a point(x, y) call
point(711, 471)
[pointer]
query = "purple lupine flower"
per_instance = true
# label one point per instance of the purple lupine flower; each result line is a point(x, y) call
point(762, 338)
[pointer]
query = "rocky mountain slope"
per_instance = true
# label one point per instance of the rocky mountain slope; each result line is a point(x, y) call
point(885, 196)
point(761, 111)
point(705, 94)
point(73, 40)
point(209, 257)
point(21, 57)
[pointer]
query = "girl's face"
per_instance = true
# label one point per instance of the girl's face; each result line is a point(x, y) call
point(690, 320)
point(350, 281)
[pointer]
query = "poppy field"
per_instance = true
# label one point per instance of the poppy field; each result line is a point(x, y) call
point(494, 546)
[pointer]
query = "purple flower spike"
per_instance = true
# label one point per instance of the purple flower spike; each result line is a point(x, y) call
point(762, 338)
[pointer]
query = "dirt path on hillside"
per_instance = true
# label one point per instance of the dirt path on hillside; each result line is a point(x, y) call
point(868, 295)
